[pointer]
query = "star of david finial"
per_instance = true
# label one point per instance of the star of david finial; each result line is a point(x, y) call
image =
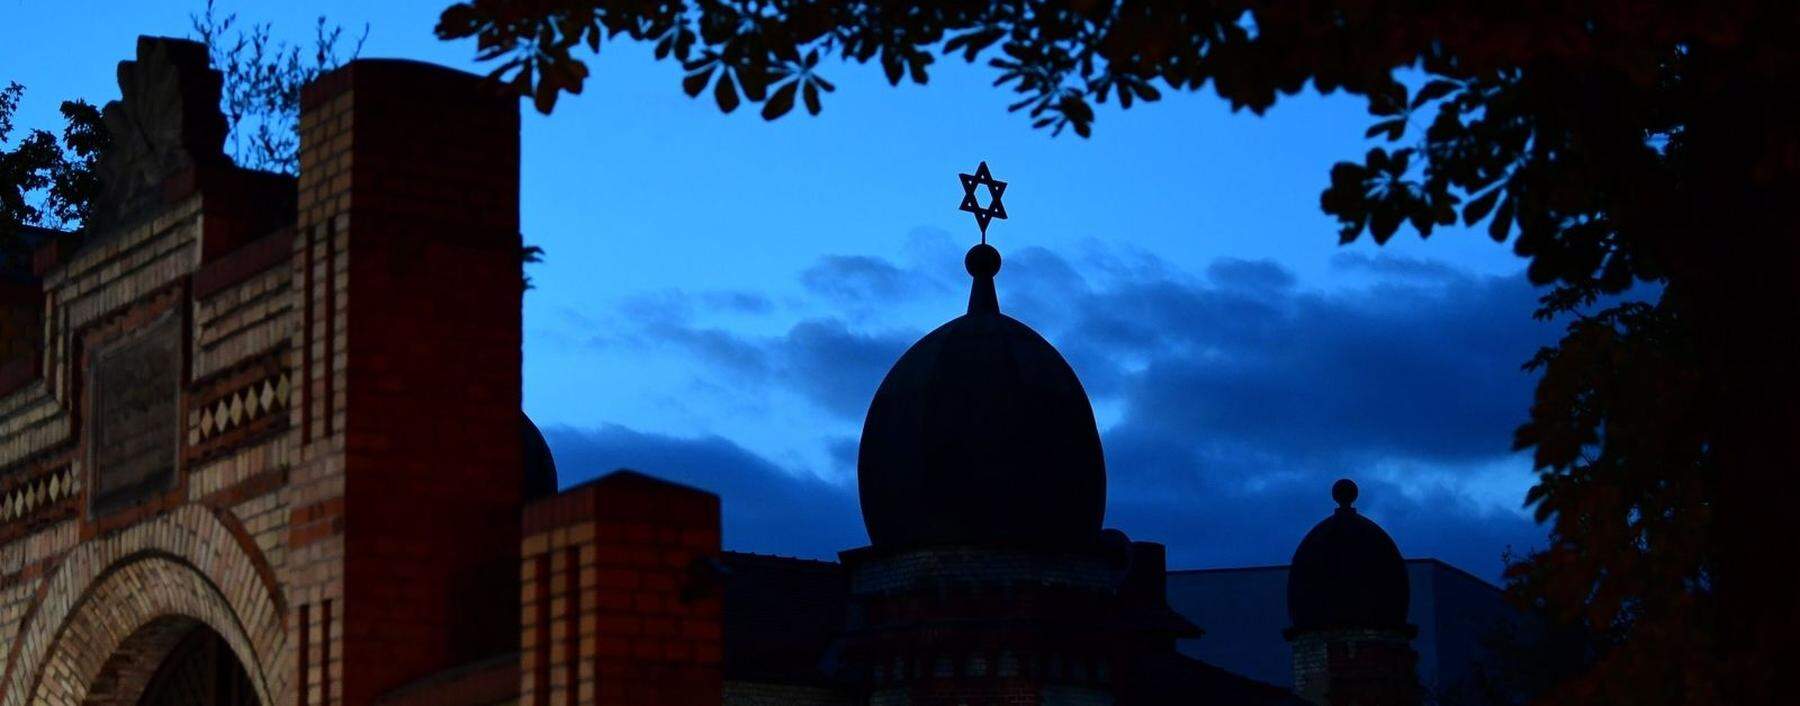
point(996, 189)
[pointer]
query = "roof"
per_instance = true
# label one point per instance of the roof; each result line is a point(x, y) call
point(981, 434)
point(1244, 610)
point(1347, 573)
point(16, 256)
point(1171, 679)
point(780, 616)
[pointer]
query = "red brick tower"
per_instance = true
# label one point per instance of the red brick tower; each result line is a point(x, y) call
point(407, 497)
point(1347, 599)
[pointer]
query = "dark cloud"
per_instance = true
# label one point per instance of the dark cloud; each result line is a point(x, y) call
point(1396, 266)
point(766, 508)
point(836, 367)
point(1253, 275)
point(1235, 397)
point(860, 279)
point(1423, 372)
point(738, 302)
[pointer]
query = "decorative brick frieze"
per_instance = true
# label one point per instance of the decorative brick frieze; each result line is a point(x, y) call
point(29, 500)
point(239, 406)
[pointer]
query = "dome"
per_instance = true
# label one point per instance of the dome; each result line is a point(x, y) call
point(539, 480)
point(1347, 573)
point(981, 434)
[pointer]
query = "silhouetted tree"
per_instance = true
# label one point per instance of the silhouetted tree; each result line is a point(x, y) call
point(263, 77)
point(46, 181)
point(1613, 143)
point(49, 182)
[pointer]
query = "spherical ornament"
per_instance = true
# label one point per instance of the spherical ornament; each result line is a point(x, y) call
point(982, 261)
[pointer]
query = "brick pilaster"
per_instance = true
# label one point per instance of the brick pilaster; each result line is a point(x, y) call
point(621, 600)
point(406, 503)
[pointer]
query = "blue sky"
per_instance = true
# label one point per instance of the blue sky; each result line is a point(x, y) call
point(721, 295)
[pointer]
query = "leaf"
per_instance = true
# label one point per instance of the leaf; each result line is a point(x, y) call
point(1384, 219)
point(1398, 163)
point(781, 102)
point(973, 42)
point(1502, 222)
point(545, 96)
point(1478, 209)
point(916, 67)
point(696, 82)
point(812, 98)
point(725, 92)
point(1434, 90)
point(754, 84)
point(891, 65)
point(1377, 160)
point(1394, 127)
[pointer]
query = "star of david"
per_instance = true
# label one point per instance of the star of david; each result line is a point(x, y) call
point(996, 188)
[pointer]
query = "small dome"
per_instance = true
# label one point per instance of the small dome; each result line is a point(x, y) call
point(981, 434)
point(540, 468)
point(1347, 573)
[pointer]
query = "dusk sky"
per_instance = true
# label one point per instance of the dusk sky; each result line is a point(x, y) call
point(720, 295)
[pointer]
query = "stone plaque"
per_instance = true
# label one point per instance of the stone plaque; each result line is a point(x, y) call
point(134, 428)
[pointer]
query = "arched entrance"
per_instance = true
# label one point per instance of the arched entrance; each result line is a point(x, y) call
point(173, 661)
point(118, 607)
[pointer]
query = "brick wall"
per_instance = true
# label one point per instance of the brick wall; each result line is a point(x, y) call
point(743, 693)
point(59, 563)
point(621, 602)
point(345, 505)
point(1356, 667)
point(21, 309)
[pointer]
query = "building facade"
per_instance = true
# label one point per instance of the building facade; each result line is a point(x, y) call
point(261, 443)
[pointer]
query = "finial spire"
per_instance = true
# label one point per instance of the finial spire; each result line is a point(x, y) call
point(996, 189)
point(1344, 492)
point(983, 262)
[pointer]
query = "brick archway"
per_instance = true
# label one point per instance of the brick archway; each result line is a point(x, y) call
point(187, 564)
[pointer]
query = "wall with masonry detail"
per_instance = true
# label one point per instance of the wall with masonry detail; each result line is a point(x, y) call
point(348, 455)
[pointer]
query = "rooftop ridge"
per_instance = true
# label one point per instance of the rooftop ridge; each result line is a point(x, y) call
point(1273, 567)
point(778, 558)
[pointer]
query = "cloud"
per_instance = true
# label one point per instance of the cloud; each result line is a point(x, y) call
point(861, 279)
point(1230, 399)
point(766, 508)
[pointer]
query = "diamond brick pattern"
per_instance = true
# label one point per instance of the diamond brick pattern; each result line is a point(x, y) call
point(242, 406)
point(44, 491)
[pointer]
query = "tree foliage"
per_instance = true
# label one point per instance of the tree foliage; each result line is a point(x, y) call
point(262, 81)
point(1611, 143)
point(46, 181)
